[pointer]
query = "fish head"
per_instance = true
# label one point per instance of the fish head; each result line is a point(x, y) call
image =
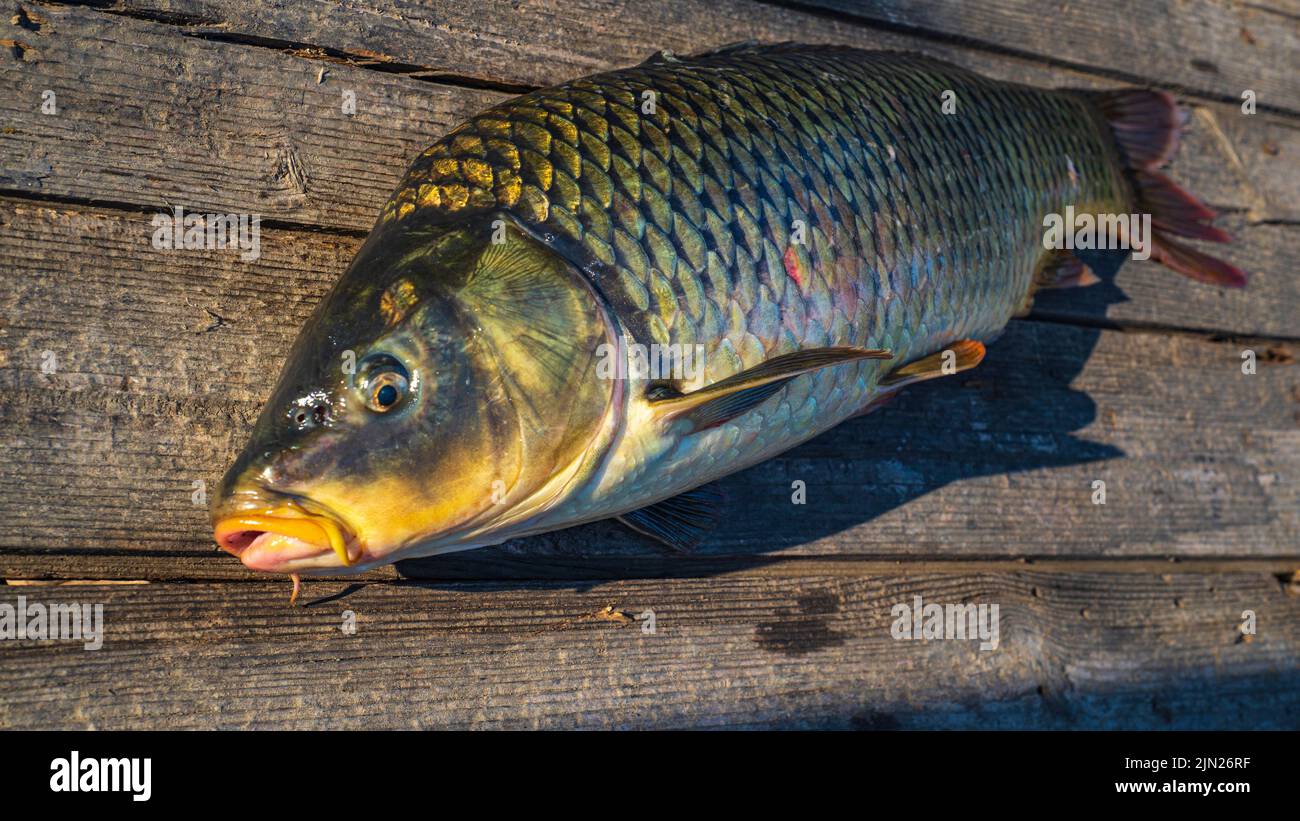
point(442, 395)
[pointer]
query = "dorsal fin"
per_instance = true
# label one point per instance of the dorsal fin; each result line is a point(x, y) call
point(744, 47)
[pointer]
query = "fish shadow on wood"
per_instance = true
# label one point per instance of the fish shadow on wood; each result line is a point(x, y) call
point(1015, 413)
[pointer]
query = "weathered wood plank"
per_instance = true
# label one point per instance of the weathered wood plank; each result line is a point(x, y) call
point(1198, 459)
point(255, 130)
point(102, 454)
point(1211, 47)
point(251, 130)
point(1103, 651)
point(1204, 46)
point(150, 118)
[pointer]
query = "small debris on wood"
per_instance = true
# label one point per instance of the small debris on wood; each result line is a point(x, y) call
point(16, 47)
point(1277, 355)
point(220, 321)
point(27, 20)
point(1290, 582)
point(608, 613)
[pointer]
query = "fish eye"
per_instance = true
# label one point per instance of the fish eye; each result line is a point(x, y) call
point(385, 383)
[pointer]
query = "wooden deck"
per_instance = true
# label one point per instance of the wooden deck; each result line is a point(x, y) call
point(975, 489)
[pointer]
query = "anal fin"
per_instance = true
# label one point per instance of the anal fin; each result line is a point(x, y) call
point(682, 521)
point(962, 355)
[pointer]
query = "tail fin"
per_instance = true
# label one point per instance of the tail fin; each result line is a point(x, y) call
point(1146, 125)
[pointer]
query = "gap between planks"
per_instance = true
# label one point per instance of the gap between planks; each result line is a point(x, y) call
point(1285, 568)
point(194, 27)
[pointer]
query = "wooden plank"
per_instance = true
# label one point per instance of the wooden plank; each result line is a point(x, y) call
point(255, 130)
point(1217, 49)
point(145, 400)
point(241, 129)
point(1102, 651)
point(1203, 46)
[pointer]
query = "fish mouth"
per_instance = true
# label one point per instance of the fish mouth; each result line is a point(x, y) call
point(286, 538)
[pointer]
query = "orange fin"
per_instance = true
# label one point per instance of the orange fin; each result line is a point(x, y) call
point(965, 355)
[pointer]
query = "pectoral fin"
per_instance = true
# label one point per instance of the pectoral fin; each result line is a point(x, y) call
point(717, 403)
point(962, 356)
point(680, 522)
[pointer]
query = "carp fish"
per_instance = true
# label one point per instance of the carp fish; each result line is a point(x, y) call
point(592, 300)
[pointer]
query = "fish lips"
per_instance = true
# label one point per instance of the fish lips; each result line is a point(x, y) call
point(287, 539)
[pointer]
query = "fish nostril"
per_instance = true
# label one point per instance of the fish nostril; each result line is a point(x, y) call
point(306, 418)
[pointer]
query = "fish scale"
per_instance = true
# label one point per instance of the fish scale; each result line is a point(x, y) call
point(920, 227)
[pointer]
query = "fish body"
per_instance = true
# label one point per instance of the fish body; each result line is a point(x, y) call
point(792, 233)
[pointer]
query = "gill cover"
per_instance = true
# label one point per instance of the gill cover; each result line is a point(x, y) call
point(538, 332)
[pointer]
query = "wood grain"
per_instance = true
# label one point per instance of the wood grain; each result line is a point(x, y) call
point(253, 130)
point(152, 119)
point(1079, 650)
